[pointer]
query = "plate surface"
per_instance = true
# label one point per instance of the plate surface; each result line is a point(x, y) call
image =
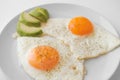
point(100, 68)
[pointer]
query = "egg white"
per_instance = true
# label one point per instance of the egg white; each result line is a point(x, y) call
point(68, 68)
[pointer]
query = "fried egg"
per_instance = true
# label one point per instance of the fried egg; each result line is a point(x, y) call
point(59, 63)
point(99, 42)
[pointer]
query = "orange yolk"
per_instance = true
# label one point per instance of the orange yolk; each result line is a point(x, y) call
point(80, 26)
point(43, 58)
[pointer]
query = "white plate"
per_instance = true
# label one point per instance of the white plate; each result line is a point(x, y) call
point(97, 69)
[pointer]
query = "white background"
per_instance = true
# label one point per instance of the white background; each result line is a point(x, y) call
point(108, 8)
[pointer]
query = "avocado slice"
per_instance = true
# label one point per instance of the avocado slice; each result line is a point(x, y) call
point(29, 20)
point(43, 11)
point(40, 14)
point(25, 30)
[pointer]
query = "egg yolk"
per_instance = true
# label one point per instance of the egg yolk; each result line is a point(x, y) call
point(80, 26)
point(43, 58)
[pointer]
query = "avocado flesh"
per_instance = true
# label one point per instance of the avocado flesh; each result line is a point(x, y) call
point(24, 30)
point(29, 20)
point(43, 11)
point(39, 14)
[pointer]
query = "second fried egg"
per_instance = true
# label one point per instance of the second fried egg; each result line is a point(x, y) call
point(100, 41)
point(59, 64)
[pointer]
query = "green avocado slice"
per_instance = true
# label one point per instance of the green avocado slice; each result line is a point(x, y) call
point(40, 13)
point(43, 11)
point(24, 30)
point(29, 20)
